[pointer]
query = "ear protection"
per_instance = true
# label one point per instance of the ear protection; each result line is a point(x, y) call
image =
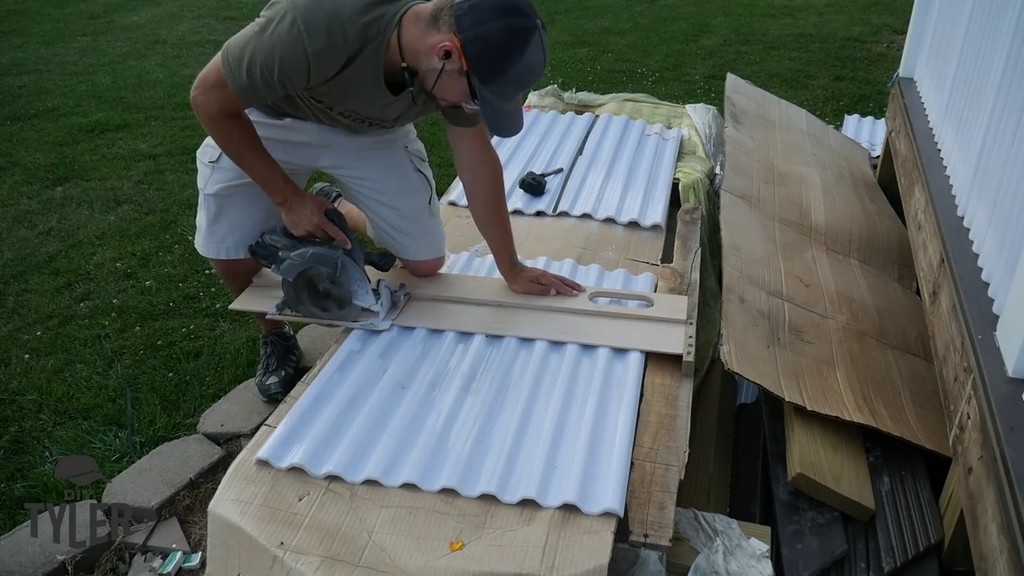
point(410, 76)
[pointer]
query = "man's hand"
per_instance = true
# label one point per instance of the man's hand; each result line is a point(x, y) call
point(529, 280)
point(303, 214)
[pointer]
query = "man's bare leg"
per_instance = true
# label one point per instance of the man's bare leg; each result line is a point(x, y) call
point(355, 217)
point(358, 222)
point(280, 353)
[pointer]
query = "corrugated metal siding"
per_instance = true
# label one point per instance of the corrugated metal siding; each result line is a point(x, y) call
point(867, 131)
point(549, 140)
point(517, 419)
point(624, 170)
point(967, 59)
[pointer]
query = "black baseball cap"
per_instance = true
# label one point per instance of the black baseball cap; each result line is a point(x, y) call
point(506, 49)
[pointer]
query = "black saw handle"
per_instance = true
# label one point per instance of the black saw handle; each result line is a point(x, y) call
point(381, 260)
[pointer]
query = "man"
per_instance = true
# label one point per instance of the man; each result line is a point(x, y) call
point(335, 85)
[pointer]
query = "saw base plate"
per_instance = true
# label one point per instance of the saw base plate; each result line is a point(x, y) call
point(392, 301)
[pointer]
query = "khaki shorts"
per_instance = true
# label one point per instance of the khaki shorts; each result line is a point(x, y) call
point(385, 174)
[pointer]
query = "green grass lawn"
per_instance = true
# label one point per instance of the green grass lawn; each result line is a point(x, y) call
point(115, 334)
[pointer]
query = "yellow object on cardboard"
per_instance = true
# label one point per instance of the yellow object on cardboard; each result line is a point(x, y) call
point(817, 274)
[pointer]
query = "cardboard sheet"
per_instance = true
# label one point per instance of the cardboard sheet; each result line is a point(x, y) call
point(817, 274)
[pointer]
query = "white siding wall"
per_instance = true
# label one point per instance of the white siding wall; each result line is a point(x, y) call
point(967, 57)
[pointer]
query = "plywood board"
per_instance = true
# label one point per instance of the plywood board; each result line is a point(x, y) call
point(817, 273)
point(825, 459)
point(480, 305)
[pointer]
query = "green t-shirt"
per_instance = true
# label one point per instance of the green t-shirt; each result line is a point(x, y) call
point(323, 61)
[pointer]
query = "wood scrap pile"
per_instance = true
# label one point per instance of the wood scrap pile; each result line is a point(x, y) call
point(821, 428)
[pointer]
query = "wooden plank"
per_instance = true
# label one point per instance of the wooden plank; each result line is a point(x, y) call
point(990, 506)
point(825, 460)
point(661, 445)
point(486, 306)
point(811, 535)
point(458, 288)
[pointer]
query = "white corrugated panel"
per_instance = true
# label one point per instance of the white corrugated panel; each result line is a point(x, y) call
point(514, 418)
point(867, 131)
point(967, 59)
point(549, 140)
point(623, 172)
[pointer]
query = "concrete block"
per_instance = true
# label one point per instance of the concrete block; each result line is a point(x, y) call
point(315, 340)
point(72, 531)
point(151, 484)
point(239, 413)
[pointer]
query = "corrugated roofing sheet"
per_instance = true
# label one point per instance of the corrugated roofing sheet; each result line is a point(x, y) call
point(549, 140)
point(967, 59)
point(867, 131)
point(623, 172)
point(517, 419)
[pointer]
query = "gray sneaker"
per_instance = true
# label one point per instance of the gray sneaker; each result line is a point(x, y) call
point(327, 190)
point(278, 371)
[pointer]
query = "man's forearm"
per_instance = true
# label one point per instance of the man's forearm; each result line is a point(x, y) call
point(489, 208)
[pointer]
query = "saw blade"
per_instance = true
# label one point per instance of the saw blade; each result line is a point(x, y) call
point(318, 292)
point(317, 284)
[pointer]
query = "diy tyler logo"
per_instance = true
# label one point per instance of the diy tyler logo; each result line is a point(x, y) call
point(83, 472)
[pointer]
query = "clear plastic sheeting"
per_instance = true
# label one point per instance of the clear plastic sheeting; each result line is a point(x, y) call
point(513, 418)
point(722, 547)
point(711, 129)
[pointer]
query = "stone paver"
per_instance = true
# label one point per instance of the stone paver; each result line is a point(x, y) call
point(41, 552)
point(153, 482)
point(315, 340)
point(239, 413)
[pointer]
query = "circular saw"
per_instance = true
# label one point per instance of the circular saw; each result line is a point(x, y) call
point(321, 281)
